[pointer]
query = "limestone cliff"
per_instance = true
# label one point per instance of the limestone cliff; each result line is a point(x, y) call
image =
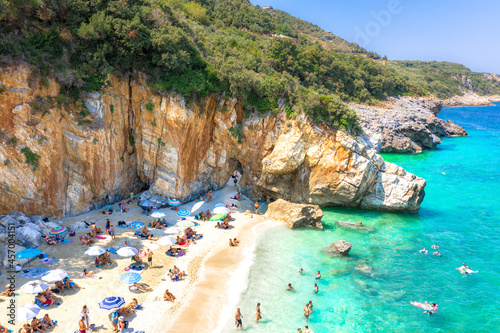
point(135, 139)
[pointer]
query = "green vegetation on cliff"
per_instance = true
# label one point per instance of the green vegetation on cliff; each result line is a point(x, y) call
point(203, 46)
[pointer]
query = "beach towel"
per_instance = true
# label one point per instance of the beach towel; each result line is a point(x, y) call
point(49, 261)
point(112, 250)
point(66, 241)
point(234, 198)
point(34, 273)
point(100, 237)
point(86, 277)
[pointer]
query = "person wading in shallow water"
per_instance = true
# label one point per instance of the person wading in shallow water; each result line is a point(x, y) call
point(237, 319)
point(258, 315)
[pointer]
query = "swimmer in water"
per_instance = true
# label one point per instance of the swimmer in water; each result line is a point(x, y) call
point(316, 289)
point(289, 287)
point(300, 270)
point(424, 251)
point(435, 246)
point(318, 275)
point(437, 253)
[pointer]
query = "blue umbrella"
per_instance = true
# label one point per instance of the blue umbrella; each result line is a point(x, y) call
point(183, 212)
point(136, 225)
point(130, 278)
point(111, 303)
point(28, 253)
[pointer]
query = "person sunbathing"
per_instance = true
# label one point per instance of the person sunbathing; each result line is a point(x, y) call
point(236, 242)
point(48, 294)
point(26, 329)
point(168, 296)
point(9, 291)
point(90, 274)
point(145, 231)
point(60, 285)
point(37, 325)
point(132, 305)
point(238, 196)
point(47, 321)
point(84, 241)
point(44, 300)
point(70, 284)
point(50, 240)
point(142, 286)
point(231, 242)
point(95, 229)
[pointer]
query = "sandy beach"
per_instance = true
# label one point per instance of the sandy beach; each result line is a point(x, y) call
point(215, 273)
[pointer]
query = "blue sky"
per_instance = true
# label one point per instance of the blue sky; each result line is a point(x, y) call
point(467, 32)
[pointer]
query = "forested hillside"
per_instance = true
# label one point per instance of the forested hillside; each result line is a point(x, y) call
point(204, 46)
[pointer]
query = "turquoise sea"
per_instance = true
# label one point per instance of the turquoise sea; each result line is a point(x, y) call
point(460, 212)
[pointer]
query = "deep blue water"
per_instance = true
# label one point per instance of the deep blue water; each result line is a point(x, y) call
point(461, 213)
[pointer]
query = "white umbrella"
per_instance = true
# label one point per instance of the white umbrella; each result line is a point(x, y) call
point(197, 206)
point(166, 241)
point(127, 251)
point(173, 231)
point(55, 275)
point(221, 210)
point(95, 251)
point(158, 214)
point(27, 312)
point(34, 287)
point(185, 224)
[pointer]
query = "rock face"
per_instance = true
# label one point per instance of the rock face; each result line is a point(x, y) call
point(135, 139)
point(339, 248)
point(295, 216)
point(405, 125)
point(472, 99)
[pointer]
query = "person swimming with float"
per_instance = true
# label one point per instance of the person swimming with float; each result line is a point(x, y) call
point(424, 251)
point(428, 308)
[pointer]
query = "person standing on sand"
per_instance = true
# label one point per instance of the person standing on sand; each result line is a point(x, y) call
point(258, 315)
point(85, 314)
point(256, 207)
point(81, 326)
point(237, 318)
point(149, 253)
point(131, 197)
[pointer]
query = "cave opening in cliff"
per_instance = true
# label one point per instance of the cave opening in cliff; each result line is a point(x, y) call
point(234, 165)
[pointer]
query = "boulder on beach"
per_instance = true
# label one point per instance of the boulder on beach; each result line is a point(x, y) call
point(29, 235)
point(357, 226)
point(157, 200)
point(339, 248)
point(294, 215)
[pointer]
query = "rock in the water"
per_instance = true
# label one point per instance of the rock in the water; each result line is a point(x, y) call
point(365, 269)
point(339, 248)
point(358, 226)
point(294, 215)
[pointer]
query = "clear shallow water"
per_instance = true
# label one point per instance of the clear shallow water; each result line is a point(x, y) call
point(460, 213)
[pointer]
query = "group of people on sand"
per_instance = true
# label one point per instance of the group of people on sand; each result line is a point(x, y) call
point(36, 325)
point(103, 260)
point(110, 229)
point(144, 233)
point(205, 216)
point(175, 274)
point(234, 242)
point(168, 296)
point(159, 224)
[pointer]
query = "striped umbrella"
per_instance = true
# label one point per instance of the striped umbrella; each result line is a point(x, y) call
point(183, 212)
point(130, 277)
point(174, 202)
point(111, 303)
point(220, 204)
point(136, 225)
point(58, 230)
point(217, 217)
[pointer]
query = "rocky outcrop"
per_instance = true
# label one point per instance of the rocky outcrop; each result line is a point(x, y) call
point(471, 99)
point(405, 125)
point(295, 216)
point(134, 139)
point(339, 248)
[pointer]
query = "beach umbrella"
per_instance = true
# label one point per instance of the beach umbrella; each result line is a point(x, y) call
point(130, 277)
point(34, 287)
point(28, 253)
point(185, 224)
point(221, 210)
point(136, 225)
point(197, 206)
point(166, 241)
point(173, 231)
point(173, 202)
point(217, 217)
point(58, 230)
point(111, 303)
point(220, 204)
point(146, 204)
point(158, 214)
point(55, 275)
point(95, 251)
point(27, 312)
point(127, 251)
point(183, 212)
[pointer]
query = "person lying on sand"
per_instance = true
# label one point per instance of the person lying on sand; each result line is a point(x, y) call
point(9, 291)
point(60, 285)
point(238, 196)
point(168, 296)
point(44, 300)
point(48, 294)
point(90, 274)
point(70, 284)
point(142, 286)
